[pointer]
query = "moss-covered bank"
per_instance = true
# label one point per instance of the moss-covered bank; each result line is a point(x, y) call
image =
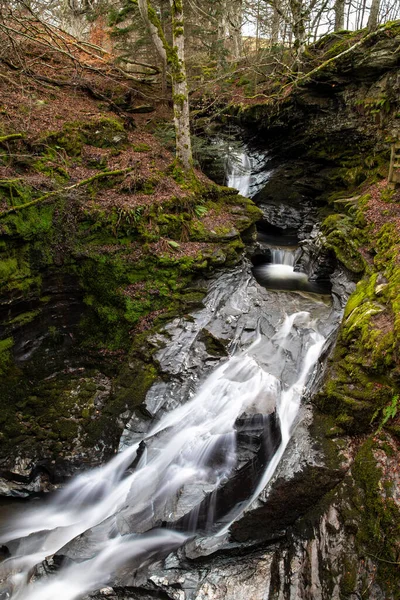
point(362, 385)
point(87, 264)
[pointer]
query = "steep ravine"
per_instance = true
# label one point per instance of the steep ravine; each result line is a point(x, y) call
point(327, 525)
point(332, 136)
point(269, 336)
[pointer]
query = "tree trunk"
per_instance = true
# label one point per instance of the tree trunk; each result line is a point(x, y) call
point(235, 27)
point(180, 93)
point(361, 15)
point(157, 36)
point(175, 58)
point(299, 28)
point(275, 26)
point(339, 15)
point(373, 15)
point(222, 30)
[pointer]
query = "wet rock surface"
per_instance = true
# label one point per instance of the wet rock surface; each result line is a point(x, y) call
point(236, 311)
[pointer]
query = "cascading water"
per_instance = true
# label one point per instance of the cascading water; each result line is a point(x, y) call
point(280, 273)
point(239, 170)
point(185, 464)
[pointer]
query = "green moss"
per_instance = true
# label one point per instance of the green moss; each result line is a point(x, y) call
point(348, 580)
point(106, 132)
point(24, 318)
point(40, 413)
point(33, 222)
point(142, 147)
point(343, 239)
point(131, 386)
point(15, 192)
point(16, 272)
point(5, 355)
point(379, 532)
point(364, 370)
point(120, 293)
point(52, 161)
point(135, 380)
point(69, 139)
point(192, 299)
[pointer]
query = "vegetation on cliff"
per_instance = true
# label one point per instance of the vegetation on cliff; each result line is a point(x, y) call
point(102, 236)
point(101, 233)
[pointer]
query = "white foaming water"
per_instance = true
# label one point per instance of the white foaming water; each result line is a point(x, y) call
point(80, 578)
point(239, 169)
point(177, 456)
point(181, 453)
point(178, 451)
point(281, 256)
point(280, 272)
point(288, 406)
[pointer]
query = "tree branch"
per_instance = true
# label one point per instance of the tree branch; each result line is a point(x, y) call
point(13, 136)
point(67, 189)
point(305, 76)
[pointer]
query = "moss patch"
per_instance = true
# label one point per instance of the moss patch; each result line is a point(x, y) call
point(379, 533)
point(364, 371)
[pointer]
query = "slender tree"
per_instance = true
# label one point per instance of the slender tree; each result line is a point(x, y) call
point(339, 14)
point(235, 20)
point(154, 28)
point(180, 93)
point(174, 56)
point(373, 15)
point(297, 15)
point(275, 26)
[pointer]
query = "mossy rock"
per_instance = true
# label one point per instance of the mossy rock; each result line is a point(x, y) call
point(214, 346)
point(5, 355)
point(379, 532)
point(341, 238)
point(40, 413)
point(364, 374)
point(106, 132)
point(133, 383)
point(15, 192)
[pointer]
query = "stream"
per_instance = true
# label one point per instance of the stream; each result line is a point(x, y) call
point(221, 424)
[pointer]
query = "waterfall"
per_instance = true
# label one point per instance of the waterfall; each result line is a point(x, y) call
point(281, 274)
point(178, 454)
point(282, 257)
point(110, 517)
point(239, 172)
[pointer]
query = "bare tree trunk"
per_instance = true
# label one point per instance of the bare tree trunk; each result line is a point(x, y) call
point(179, 88)
point(221, 33)
point(235, 27)
point(364, 6)
point(299, 28)
point(315, 27)
point(339, 14)
point(175, 57)
point(348, 16)
point(257, 46)
point(373, 15)
point(275, 26)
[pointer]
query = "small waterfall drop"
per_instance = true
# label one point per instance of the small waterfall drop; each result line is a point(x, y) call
point(239, 170)
point(281, 274)
point(282, 256)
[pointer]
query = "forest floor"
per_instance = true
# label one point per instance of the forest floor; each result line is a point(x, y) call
point(50, 96)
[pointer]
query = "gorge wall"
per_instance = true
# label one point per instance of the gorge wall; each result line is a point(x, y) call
point(82, 275)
